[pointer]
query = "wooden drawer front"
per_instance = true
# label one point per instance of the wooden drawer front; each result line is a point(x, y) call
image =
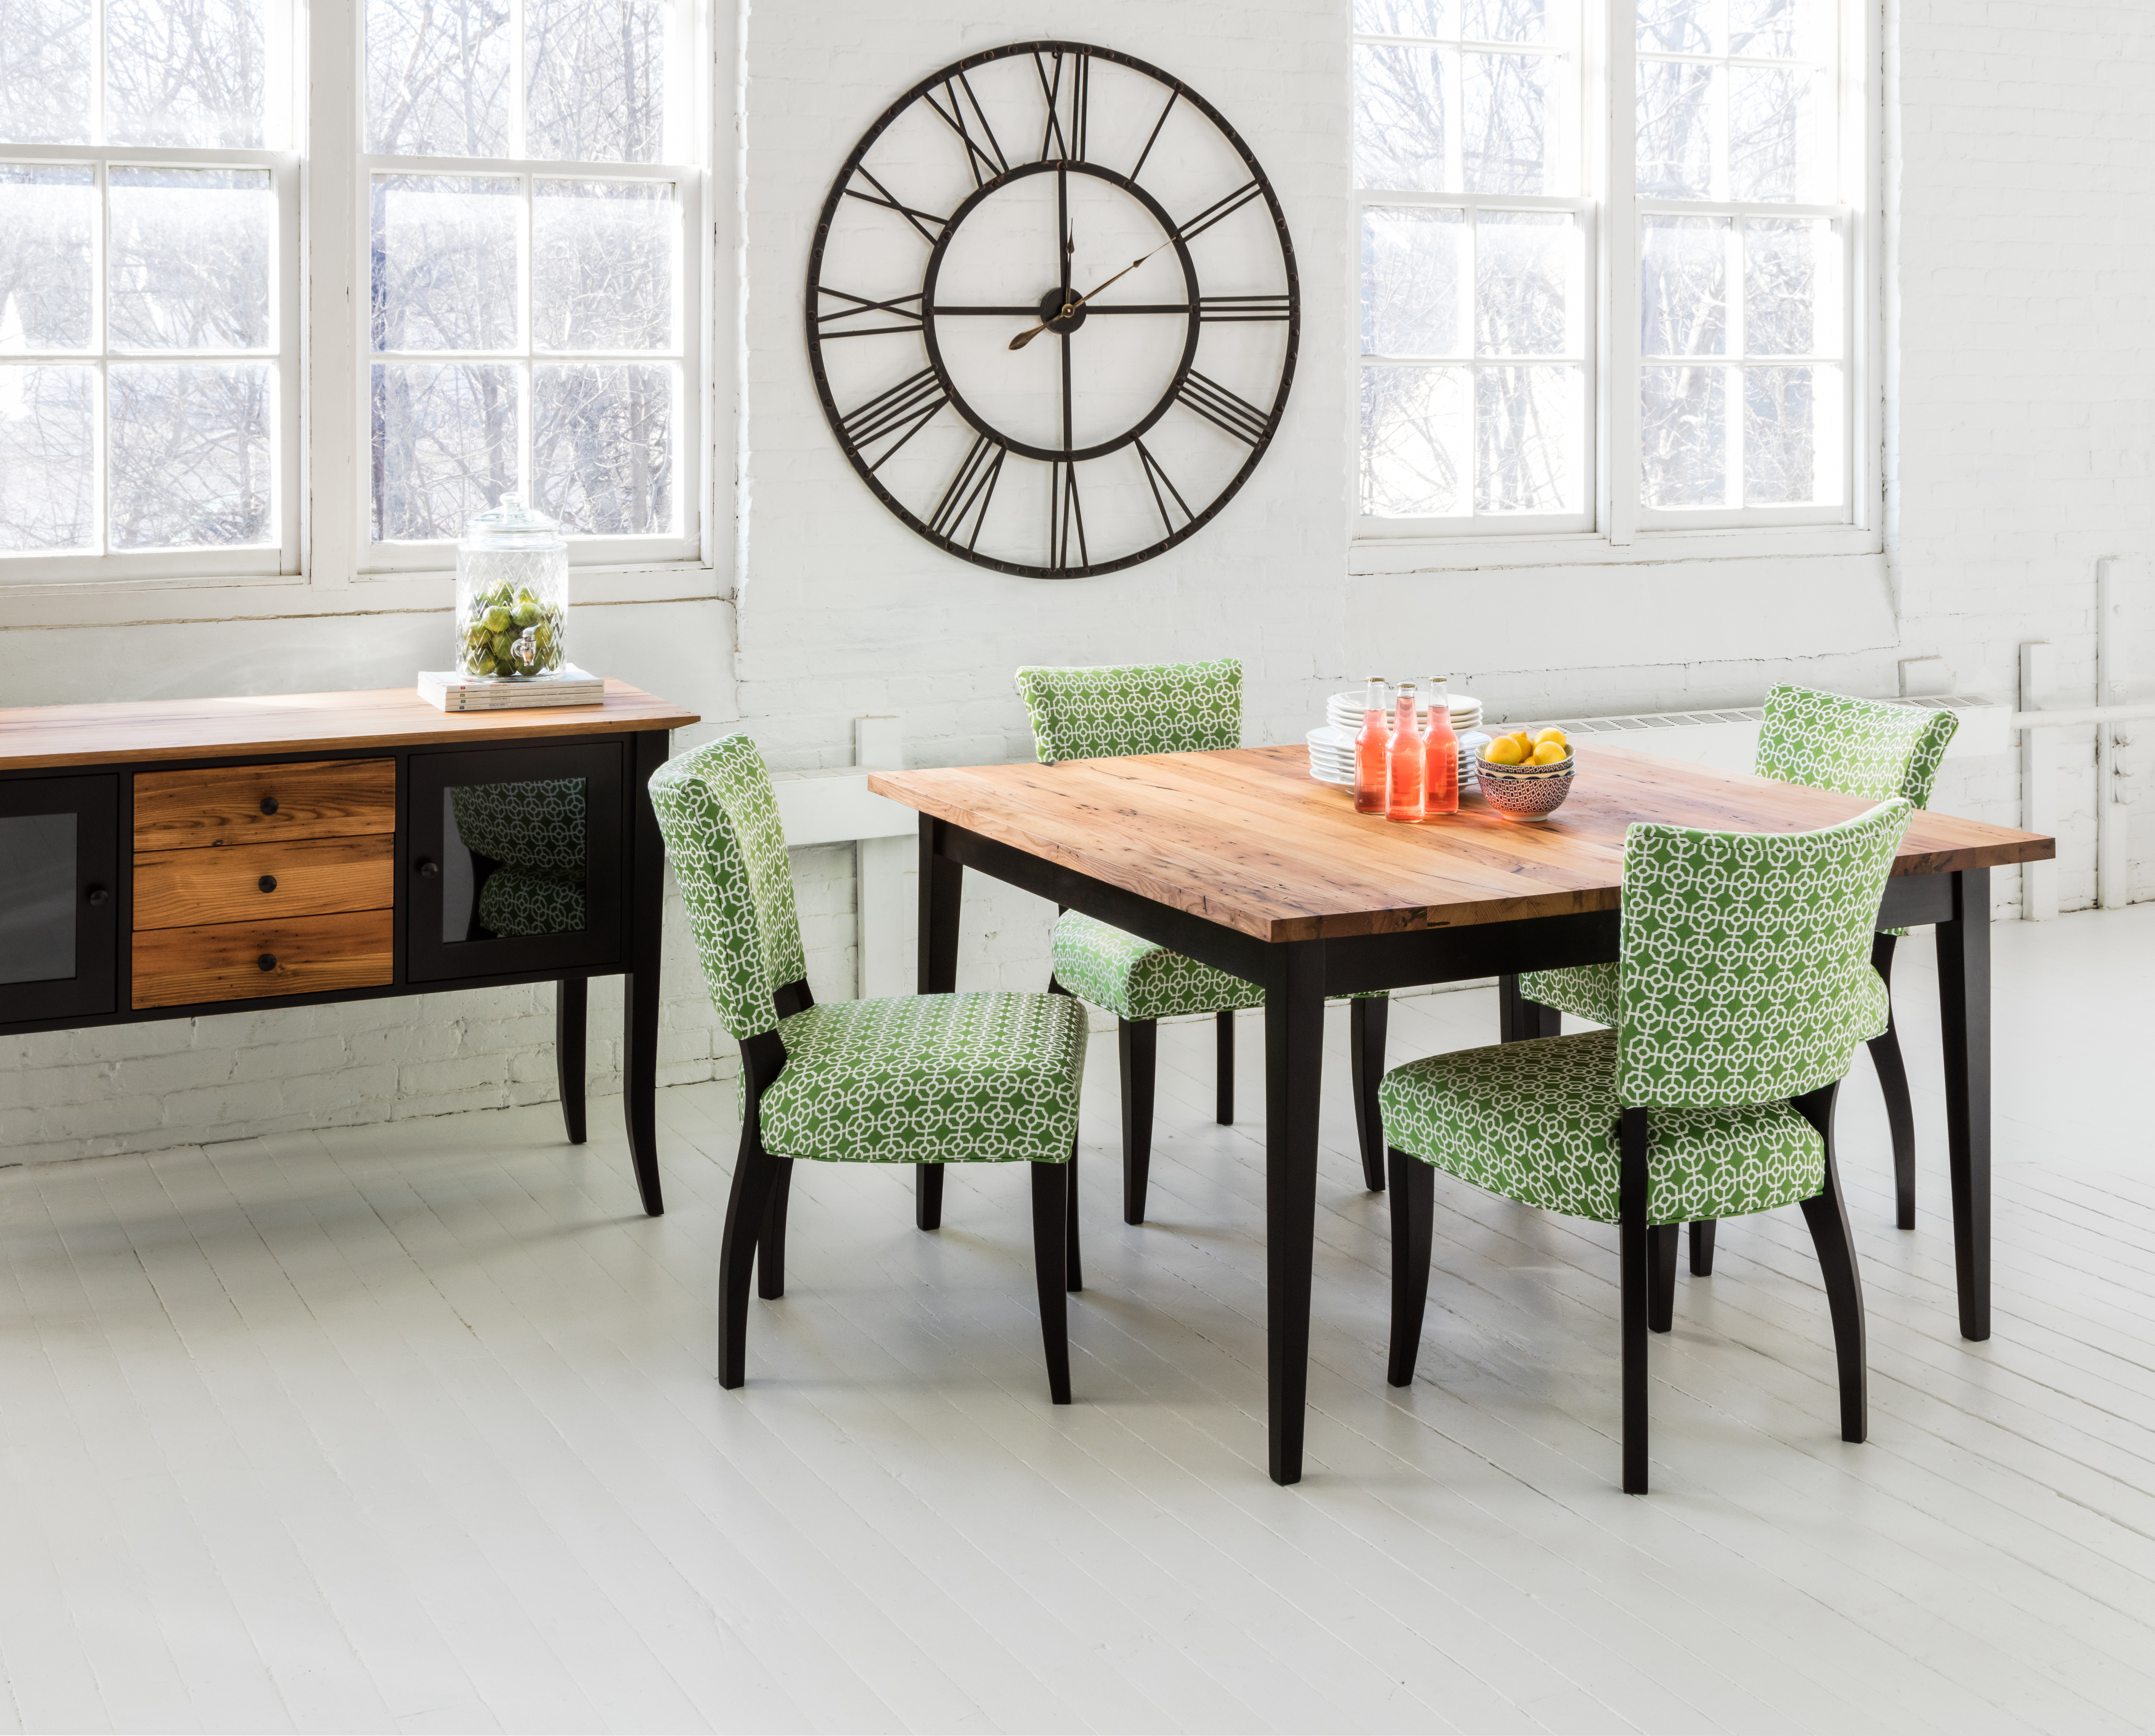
point(264, 882)
point(222, 961)
point(312, 799)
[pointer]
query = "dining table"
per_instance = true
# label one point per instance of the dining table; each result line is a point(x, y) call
point(1241, 859)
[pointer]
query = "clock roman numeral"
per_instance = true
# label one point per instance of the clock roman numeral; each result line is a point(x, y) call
point(1220, 211)
point(1154, 137)
point(970, 491)
point(1221, 408)
point(895, 416)
point(883, 196)
point(1068, 139)
point(861, 307)
point(1241, 310)
point(1064, 515)
point(1158, 478)
point(987, 161)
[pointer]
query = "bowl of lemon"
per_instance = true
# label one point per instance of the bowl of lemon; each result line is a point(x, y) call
point(1526, 775)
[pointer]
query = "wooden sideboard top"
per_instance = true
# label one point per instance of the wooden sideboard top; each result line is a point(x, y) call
point(137, 731)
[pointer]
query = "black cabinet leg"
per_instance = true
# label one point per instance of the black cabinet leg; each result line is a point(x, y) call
point(1414, 1215)
point(1223, 1026)
point(1136, 1057)
point(1964, 1016)
point(1702, 1248)
point(1633, 1255)
point(1893, 1085)
point(1050, 1203)
point(771, 1241)
point(572, 998)
point(754, 1171)
point(640, 1084)
point(1662, 1240)
point(1367, 1019)
point(1294, 1070)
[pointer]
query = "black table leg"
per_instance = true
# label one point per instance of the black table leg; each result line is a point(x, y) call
point(639, 987)
point(1294, 1068)
point(1519, 1019)
point(1964, 1015)
point(942, 888)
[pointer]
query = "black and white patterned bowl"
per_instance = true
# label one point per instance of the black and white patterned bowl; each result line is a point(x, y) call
point(1525, 792)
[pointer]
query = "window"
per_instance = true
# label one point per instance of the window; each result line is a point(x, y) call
point(530, 185)
point(1709, 381)
point(148, 417)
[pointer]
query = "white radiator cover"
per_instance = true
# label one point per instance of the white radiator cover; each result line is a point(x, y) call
point(1728, 738)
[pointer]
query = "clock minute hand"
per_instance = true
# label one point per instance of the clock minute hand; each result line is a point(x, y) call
point(1023, 338)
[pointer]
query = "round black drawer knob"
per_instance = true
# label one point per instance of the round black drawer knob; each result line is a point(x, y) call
point(267, 962)
point(268, 883)
point(428, 868)
point(99, 896)
point(268, 804)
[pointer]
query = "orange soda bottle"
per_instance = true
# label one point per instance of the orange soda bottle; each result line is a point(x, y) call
point(1369, 751)
point(1404, 774)
point(1441, 754)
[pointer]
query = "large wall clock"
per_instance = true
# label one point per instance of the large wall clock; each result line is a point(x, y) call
point(1052, 309)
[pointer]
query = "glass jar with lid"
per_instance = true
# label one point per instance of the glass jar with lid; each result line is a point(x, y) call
point(512, 593)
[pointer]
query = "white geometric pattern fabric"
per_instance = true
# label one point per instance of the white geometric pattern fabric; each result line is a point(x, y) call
point(1140, 979)
point(1132, 708)
point(512, 902)
point(536, 824)
point(1536, 1122)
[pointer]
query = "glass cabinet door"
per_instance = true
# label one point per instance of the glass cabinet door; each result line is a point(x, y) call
point(59, 909)
point(516, 859)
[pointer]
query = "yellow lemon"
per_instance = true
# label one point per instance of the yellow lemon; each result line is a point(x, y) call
point(1553, 734)
point(1550, 754)
point(1503, 751)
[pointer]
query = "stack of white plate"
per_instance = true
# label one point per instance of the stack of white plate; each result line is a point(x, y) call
point(1343, 711)
point(1332, 755)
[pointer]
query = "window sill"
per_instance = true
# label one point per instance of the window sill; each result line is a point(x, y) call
point(1411, 549)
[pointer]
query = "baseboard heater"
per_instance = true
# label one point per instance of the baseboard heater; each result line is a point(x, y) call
point(1727, 737)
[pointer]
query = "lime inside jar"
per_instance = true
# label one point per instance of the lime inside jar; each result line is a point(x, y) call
point(511, 594)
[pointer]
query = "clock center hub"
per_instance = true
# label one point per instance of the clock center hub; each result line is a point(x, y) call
point(1058, 311)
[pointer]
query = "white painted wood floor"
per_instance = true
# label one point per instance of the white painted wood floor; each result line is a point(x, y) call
point(413, 1427)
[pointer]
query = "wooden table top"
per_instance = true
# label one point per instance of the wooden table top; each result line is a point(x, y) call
point(1249, 841)
point(388, 717)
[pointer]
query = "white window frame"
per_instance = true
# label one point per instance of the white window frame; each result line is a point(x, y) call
point(1622, 530)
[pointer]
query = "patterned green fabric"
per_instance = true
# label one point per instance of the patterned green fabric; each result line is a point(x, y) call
point(1134, 708)
point(930, 1078)
point(536, 825)
point(1745, 971)
point(1139, 979)
point(1536, 1122)
point(1825, 741)
point(719, 817)
point(515, 902)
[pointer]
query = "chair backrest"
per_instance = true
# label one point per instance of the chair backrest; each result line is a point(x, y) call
point(1746, 974)
point(535, 824)
point(1859, 746)
point(719, 817)
point(1134, 708)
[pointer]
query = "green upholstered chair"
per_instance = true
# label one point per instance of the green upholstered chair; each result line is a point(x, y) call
point(1108, 713)
point(1744, 989)
point(917, 1078)
point(1828, 741)
point(527, 844)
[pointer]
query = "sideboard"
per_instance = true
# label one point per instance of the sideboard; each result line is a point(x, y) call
point(167, 858)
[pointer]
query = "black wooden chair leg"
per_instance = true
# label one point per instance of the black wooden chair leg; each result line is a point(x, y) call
point(1051, 1212)
point(1073, 1273)
point(1136, 1051)
point(1893, 1085)
point(1702, 1248)
point(571, 1018)
point(771, 1241)
point(1224, 1028)
point(1827, 1214)
point(1632, 1257)
point(754, 1171)
point(1414, 1211)
point(1367, 1019)
point(928, 1196)
point(1662, 1240)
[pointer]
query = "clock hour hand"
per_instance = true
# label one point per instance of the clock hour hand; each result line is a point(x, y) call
point(1023, 338)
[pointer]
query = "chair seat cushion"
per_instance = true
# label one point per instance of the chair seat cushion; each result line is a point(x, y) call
point(1139, 979)
point(1585, 990)
point(930, 1078)
point(515, 902)
point(1536, 1122)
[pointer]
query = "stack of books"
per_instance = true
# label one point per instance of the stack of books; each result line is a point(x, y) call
point(450, 692)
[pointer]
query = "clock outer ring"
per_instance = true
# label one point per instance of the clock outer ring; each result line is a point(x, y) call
point(979, 424)
point(1183, 93)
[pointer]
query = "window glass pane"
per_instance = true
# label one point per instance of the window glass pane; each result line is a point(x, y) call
point(1413, 268)
point(1400, 101)
point(37, 917)
point(1766, 28)
point(1676, 104)
point(595, 78)
point(1683, 293)
point(603, 265)
point(47, 446)
point(1781, 282)
point(192, 455)
point(602, 438)
point(1417, 441)
point(438, 80)
point(1503, 123)
point(1524, 262)
point(191, 260)
point(44, 72)
point(1683, 436)
point(444, 444)
point(184, 72)
point(515, 857)
point(1406, 17)
point(1772, 147)
point(1527, 439)
point(445, 261)
point(47, 219)
point(1786, 461)
point(1506, 21)
point(1679, 27)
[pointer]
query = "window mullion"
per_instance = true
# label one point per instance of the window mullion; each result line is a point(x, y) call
point(1619, 386)
point(334, 297)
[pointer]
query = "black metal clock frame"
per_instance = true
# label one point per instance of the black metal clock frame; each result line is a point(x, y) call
point(914, 402)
